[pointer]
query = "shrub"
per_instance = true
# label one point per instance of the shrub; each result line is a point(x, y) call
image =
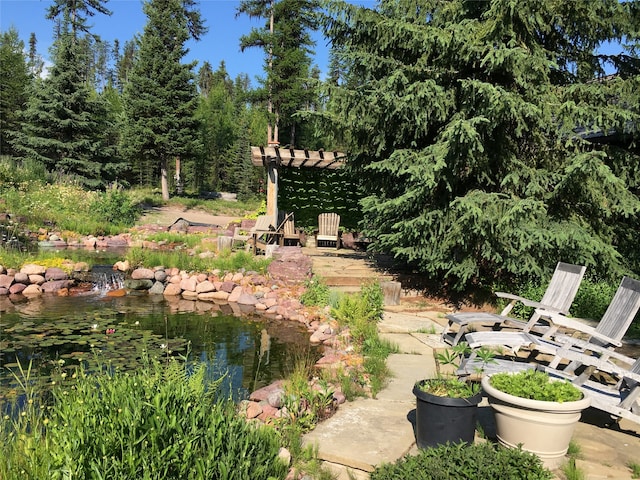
point(481, 460)
point(115, 207)
point(316, 293)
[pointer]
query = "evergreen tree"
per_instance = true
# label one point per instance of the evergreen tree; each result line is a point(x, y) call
point(287, 43)
point(491, 142)
point(64, 124)
point(205, 78)
point(218, 122)
point(36, 63)
point(124, 63)
point(77, 12)
point(14, 80)
point(160, 97)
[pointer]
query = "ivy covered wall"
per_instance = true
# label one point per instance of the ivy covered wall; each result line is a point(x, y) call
point(310, 191)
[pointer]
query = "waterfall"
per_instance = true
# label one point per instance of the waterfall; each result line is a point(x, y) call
point(104, 278)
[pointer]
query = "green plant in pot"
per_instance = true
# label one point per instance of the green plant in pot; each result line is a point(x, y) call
point(446, 407)
point(535, 411)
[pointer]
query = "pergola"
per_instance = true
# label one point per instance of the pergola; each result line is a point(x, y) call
point(272, 158)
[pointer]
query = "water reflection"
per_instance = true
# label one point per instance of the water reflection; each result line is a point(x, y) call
point(58, 333)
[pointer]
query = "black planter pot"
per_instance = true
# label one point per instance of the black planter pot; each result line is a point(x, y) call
point(444, 419)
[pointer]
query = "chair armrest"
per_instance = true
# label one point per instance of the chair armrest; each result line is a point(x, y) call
point(567, 342)
point(577, 324)
point(524, 301)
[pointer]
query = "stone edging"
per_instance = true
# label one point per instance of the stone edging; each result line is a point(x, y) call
point(275, 295)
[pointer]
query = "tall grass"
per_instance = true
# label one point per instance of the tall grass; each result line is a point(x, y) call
point(161, 422)
point(225, 261)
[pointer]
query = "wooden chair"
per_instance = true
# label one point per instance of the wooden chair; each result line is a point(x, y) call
point(287, 225)
point(557, 298)
point(329, 228)
point(264, 233)
point(584, 346)
point(238, 237)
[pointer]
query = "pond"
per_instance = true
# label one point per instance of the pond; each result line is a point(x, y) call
point(56, 334)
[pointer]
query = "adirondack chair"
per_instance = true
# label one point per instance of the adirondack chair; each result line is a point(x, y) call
point(329, 228)
point(263, 233)
point(287, 226)
point(589, 352)
point(558, 297)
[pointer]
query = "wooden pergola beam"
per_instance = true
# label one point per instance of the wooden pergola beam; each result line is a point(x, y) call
point(272, 158)
point(289, 157)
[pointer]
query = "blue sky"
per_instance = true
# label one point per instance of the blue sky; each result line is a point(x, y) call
point(220, 43)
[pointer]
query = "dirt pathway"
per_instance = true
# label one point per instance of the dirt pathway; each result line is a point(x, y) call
point(167, 215)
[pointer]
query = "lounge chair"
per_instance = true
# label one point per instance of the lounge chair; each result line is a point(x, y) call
point(619, 392)
point(558, 297)
point(597, 346)
point(328, 228)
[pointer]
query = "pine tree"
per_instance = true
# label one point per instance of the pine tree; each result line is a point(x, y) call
point(491, 142)
point(287, 43)
point(64, 123)
point(160, 97)
point(14, 80)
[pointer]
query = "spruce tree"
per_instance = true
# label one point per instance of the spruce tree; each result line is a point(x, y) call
point(287, 43)
point(14, 80)
point(492, 143)
point(160, 97)
point(64, 122)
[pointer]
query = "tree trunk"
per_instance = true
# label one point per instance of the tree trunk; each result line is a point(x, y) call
point(164, 180)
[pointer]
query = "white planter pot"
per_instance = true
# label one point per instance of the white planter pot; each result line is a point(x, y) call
point(543, 428)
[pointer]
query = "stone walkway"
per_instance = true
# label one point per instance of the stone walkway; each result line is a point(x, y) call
point(365, 433)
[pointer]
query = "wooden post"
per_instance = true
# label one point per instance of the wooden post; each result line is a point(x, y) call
point(391, 292)
point(272, 190)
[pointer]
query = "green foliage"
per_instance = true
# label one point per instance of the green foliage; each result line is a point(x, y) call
point(448, 387)
point(162, 421)
point(160, 98)
point(67, 208)
point(14, 175)
point(635, 469)
point(461, 119)
point(305, 406)
point(447, 384)
point(14, 79)
point(316, 293)
point(591, 301)
point(225, 261)
point(115, 207)
point(181, 240)
point(65, 125)
point(571, 470)
point(309, 192)
point(593, 298)
point(462, 462)
point(361, 309)
point(373, 295)
point(535, 385)
point(287, 46)
point(355, 312)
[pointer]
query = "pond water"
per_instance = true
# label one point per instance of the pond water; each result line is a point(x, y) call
point(56, 334)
